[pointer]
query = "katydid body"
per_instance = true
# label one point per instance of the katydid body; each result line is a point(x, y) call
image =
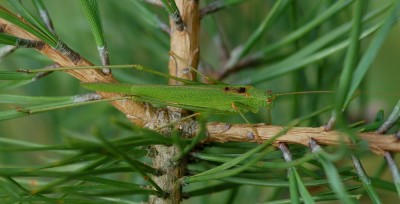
point(219, 98)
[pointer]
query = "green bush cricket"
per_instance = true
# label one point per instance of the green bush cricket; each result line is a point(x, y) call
point(193, 96)
point(216, 98)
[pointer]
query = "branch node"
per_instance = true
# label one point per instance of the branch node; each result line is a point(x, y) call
point(177, 19)
point(65, 50)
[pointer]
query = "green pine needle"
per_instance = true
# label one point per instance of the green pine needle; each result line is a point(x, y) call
point(33, 27)
point(91, 11)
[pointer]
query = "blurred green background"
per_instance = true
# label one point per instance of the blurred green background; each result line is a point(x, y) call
point(132, 41)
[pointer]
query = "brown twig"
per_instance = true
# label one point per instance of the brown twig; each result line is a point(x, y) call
point(218, 132)
point(251, 60)
point(211, 8)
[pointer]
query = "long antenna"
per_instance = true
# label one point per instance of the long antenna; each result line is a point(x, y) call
point(357, 92)
point(304, 92)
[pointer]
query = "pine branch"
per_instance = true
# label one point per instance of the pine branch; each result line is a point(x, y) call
point(223, 132)
point(139, 113)
point(187, 50)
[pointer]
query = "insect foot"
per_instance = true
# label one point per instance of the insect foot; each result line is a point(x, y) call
point(253, 135)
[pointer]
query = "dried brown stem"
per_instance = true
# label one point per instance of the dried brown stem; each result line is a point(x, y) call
point(185, 44)
point(222, 132)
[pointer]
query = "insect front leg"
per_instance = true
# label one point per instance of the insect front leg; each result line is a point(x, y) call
point(258, 138)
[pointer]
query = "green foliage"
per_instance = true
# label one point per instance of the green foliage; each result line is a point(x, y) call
point(91, 10)
point(92, 154)
point(33, 26)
